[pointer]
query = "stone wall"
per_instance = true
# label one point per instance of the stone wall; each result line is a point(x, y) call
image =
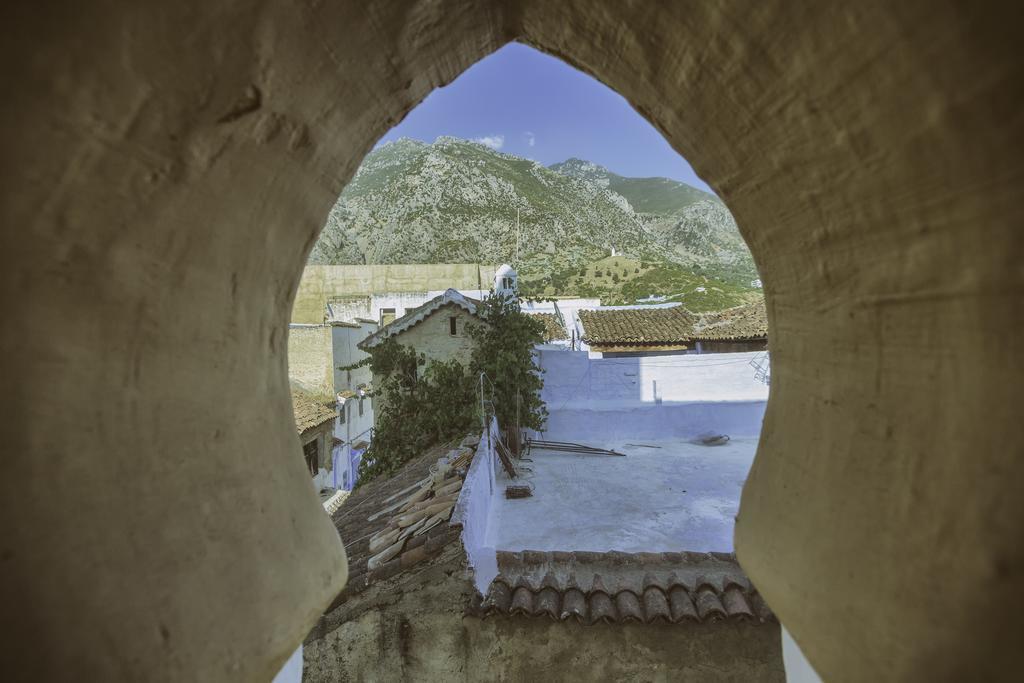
point(414, 627)
point(432, 338)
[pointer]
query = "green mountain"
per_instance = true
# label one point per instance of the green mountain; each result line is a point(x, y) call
point(657, 196)
point(693, 224)
point(459, 201)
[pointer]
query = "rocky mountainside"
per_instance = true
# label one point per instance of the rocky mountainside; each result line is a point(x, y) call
point(459, 201)
point(693, 224)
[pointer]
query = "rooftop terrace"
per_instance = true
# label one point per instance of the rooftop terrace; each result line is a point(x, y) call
point(664, 495)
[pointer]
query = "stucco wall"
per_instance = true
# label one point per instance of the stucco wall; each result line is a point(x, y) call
point(572, 379)
point(168, 166)
point(319, 284)
point(475, 508)
point(323, 435)
point(346, 352)
point(690, 420)
point(432, 338)
point(372, 306)
point(414, 628)
point(310, 357)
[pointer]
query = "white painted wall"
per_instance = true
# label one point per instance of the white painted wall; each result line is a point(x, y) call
point(291, 672)
point(798, 669)
point(685, 396)
point(573, 380)
point(475, 510)
point(355, 427)
point(371, 306)
point(668, 421)
point(344, 342)
point(569, 308)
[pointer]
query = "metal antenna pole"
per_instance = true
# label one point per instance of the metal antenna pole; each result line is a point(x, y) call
point(517, 234)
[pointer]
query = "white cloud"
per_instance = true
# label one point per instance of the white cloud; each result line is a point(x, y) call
point(530, 138)
point(492, 141)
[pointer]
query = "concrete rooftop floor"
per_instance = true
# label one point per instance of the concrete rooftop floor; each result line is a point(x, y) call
point(680, 496)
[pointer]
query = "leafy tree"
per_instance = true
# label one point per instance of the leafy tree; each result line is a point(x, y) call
point(421, 403)
point(503, 351)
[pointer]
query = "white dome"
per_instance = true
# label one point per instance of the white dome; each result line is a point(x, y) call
point(505, 270)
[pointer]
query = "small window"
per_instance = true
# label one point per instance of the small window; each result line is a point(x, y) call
point(341, 413)
point(360, 406)
point(453, 326)
point(311, 451)
point(386, 316)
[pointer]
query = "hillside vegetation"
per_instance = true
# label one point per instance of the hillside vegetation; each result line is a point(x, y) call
point(458, 201)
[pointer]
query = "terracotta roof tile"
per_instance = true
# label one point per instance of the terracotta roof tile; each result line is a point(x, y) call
point(309, 412)
point(673, 327)
point(638, 326)
point(368, 520)
point(749, 321)
point(554, 330)
point(620, 587)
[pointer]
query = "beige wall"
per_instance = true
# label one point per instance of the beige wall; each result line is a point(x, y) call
point(311, 357)
point(319, 284)
point(432, 336)
point(414, 628)
point(167, 168)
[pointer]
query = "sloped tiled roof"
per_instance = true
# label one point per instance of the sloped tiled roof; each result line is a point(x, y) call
point(393, 523)
point(637, 326)
point(615, 587)
point(553, 328)
point(418, 315)
point(749, 321)
point(309, 412)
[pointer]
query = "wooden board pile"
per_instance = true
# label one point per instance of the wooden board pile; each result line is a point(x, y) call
point(420, 507)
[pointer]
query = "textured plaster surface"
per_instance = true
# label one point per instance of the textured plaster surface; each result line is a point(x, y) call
point(414, 627)
point(321, 284)
point(311, 358)
point(574, 380)
point(166, 170)
point(432, 336)
point(675, 496)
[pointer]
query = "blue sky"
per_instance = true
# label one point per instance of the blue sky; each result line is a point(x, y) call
point(526, 103)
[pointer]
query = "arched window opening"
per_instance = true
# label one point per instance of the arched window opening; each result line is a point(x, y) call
point(651, 335)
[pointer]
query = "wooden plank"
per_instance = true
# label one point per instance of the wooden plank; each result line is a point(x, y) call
point(505, 457)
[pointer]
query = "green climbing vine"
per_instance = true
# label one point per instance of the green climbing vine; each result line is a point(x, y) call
point(421, 403)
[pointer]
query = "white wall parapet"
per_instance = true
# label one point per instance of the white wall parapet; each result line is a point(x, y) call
point(475, 507)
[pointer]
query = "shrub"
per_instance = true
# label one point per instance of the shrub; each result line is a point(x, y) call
point(420, 403)
point(503, 351)
point(414, 409)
